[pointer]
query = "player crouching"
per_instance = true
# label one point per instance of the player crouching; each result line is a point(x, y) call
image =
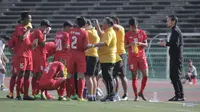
point(54, 78)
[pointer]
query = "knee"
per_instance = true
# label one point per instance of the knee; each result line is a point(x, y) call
point(134, 74)
point(81, 75)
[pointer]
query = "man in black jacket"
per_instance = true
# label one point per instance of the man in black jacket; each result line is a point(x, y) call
point(175, 45)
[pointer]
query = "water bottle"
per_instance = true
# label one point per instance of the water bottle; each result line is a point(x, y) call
point(155, 97)
point(188, 104)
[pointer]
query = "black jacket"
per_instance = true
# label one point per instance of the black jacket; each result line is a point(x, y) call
point(175, 43)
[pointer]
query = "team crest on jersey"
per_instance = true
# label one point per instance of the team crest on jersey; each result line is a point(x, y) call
point(21, 65)
point(130, 37)
point(131, 66)
point(138, 35)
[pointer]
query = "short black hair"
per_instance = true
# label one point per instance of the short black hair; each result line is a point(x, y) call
point(109, 21)
point(24, 15)
point(68, 23)
point(5, 37)
point(189, 60)
point(173, 18)
point(80, 21)
point(115, 18)
point(89, 22)
point(133, 21)
point(45, 22)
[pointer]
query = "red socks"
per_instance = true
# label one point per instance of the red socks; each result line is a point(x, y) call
point(19, 85)
point(26, 85)
point(144, 83)
point(61, 90)
point(135, 86)
point(12, 84)
point(194, 80)
point(33, 83)
point(81, 85)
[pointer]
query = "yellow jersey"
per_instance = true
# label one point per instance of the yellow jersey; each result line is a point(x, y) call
point(120, 40)
point(107, 54)
point(93, 39)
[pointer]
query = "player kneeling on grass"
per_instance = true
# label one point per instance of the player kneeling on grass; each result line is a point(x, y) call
point(54, 78)
point(191, 73)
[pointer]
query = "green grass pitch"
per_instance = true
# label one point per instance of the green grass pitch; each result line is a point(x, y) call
point(7, 105)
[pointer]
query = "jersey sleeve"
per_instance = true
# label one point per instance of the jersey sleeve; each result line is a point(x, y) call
point(86, 39)
point(107, 38)
point(12, 42)
point(40, 36)
point(144, 35)
point(18, 31)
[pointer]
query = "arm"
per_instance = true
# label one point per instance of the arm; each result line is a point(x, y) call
point(23, 37)
point(99, 31)
point(5, 58)
point(116, 27)
point(174, 40)
point(145, 44)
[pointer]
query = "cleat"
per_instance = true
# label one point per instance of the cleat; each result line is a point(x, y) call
point(142, 96)
point(81, 100)
point(136, 98)
point(62, 98)
point(124, 97)
point(28, 98)
point(74, 97)
point(19, 98)
point(90, 99)
point(43, 96)
point(38, 96)
point(68, 99)
point(9, 96)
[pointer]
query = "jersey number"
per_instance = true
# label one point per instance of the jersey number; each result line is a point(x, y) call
point(74, 41)
point(47, 68)
point(58, 44)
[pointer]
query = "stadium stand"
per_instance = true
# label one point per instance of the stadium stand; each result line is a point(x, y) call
point(150, 13)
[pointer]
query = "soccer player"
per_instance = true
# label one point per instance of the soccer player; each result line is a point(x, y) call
point(78, 45)
point(120, 66)
point(107, 55)
point(24, 55)
point(53, 78)
point(91, 62)
point(13, 47)
point(135, 42)
point(3, 60)
point(191, 73)
point(62, 41)
point(38, 38)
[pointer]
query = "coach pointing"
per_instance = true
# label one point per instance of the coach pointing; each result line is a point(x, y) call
point(175, 45)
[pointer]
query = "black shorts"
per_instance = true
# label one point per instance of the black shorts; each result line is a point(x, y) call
point(107, 71)
point(118, 69)
point(91, 64)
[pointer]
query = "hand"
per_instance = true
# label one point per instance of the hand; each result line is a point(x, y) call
point(139, 43)
point(90, 46)
point(162, 44)
point(47, 31)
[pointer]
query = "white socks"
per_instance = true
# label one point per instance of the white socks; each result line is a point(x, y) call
point(2, 78)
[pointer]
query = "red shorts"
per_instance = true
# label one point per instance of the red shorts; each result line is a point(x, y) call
point(65, 58)
point(77, 63)
point(25, 63)
point(137, 63)
point(50, 84)
point(39, 65)
point(15, 67)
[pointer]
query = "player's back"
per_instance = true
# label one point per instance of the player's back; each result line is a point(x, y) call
point(61, 40)
point(78, 40)
point(50, 48)
point(52, 70)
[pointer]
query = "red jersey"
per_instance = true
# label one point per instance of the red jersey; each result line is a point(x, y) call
point(12, 43)
point(52, 71)
point(50, 48)
point(37, 35)
point(24, 46)
point(78, 39)
point(61, 40)
point(139, 36)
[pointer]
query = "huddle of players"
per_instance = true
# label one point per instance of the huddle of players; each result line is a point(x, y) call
point(80, 49)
